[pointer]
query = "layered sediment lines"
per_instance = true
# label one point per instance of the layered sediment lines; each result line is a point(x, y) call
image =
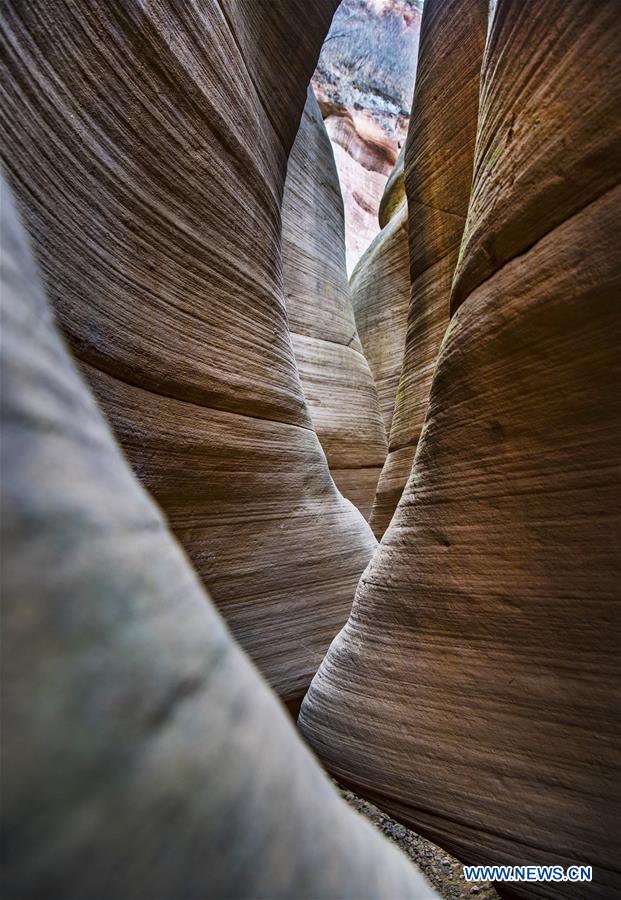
point(147, 146)
point(336, 379)
point(474, 690)
point(380, 292)
point(438, 165)
point(142, 753)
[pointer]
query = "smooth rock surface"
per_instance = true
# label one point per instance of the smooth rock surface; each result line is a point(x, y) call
point(475, 689)
point(147, 145)
point(438, 175)
point(380, 292)
point(337, 382)
point(142, 753)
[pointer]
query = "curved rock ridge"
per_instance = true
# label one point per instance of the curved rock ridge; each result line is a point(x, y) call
point(580, 133)
point(337, 382)
point(438, 164)
point(394, 192)
point(142, 753)
point(380, 292)
point(474, 691)
point(148, 148)
point(364, 82)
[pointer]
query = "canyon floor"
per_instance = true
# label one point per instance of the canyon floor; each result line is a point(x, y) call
point(442, 870)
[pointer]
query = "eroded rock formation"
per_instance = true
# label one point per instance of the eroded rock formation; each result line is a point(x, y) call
point(439, 158)
point(474, 690)
point(142, 753)
point(336, 379)
point(148, 148)
point(380, 292)
point(364, 82)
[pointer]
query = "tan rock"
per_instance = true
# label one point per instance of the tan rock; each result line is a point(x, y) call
point(142, 754)
point(394, 192)
point(438, 159)
point(148, 151)
point(336, 379)
point(475, 690)
point(380, 290)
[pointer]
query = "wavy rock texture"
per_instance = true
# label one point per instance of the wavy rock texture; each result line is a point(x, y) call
point(474, 690)
point(364, 83)
point(438, 163)
point(337, 382)
point(148, 149)
point(142, 754)
point(380, 292)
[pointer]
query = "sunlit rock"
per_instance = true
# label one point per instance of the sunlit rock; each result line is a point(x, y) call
point(380, 291)
point(336, 379)
point(364, 83)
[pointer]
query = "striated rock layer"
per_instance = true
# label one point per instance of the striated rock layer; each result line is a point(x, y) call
point(438, 162)
point(364, 82)
point(337, 382)
point(475, 689)
point(142, 753)
point(148, 148)
point(380, 292)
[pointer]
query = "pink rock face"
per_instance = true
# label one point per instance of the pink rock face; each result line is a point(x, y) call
point(364, 83)
point(336, 378)
point(361, 185)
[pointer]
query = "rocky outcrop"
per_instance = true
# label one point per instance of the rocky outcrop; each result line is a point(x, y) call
point(148, 148)
point(380, 292)
point(438, 161)
point(473, 691)
point(364, 82)
point(142, 753)
point(336, 379)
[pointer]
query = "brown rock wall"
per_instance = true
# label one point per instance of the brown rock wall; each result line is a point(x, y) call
point(148, 146)
point(438, 164)
point(336, 379)
point(380, 289)
point(474, 691)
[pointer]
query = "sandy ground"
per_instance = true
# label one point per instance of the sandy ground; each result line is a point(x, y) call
point(443, 871)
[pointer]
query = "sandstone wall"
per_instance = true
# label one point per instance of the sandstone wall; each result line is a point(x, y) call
point(438, 163)
point(142, 754)
point(474, 691)
point(364, 82)
point(336, 379)
point(147, 146)
point(380, 291)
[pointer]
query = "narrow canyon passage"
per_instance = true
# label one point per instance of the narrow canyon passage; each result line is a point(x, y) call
point(310, 398)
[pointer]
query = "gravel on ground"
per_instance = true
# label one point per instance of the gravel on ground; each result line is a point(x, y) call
point(442, 870)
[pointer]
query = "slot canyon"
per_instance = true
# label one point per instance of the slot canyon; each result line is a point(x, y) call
point(310, 466)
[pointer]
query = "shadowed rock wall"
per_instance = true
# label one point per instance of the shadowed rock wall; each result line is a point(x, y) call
point(142, 753)
point(147, 146)
point(474, 691)
point(337, 382)
point(438, 165)
point(380, 292)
